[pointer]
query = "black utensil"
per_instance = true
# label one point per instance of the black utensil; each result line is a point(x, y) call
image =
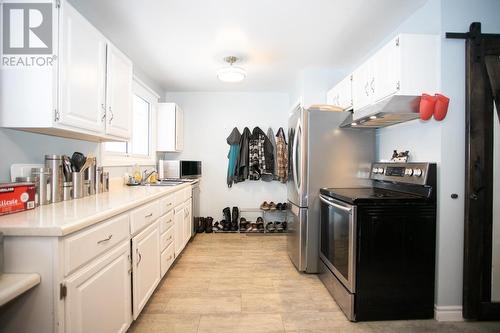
point(78, 160)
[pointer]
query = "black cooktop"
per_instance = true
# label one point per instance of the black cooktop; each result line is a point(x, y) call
point(368, 194)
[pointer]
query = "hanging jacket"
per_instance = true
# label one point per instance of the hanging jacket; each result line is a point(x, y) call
point(270, 157)
point(233, 140)
point(281, 156)
point(261, 162)
point(243, 162)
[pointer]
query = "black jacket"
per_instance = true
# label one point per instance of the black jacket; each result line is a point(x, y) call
point(243, 163)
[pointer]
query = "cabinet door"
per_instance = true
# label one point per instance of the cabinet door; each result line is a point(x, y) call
point(82, 73)
point(187, 222)
point(179, 230)
point(333, 96)
point(179, 129)
point(145, 266)
point(345, 95)
point(361, 86)
point(99, 296)
point(119, 94)
point(386, 71)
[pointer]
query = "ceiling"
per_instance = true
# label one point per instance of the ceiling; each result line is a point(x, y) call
point(180, 44)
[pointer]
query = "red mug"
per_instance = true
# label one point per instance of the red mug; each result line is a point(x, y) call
point(426, 108)
point(441, 107)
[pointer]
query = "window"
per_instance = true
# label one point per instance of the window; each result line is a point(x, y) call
point(140, 147)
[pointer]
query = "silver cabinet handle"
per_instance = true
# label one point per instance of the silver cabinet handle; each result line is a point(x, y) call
point(111, 115)
point(103, 117)
point(105, 239)
point(331, 203)
point(139, 257)
point(372, 84)
point(366, 89)
point(149, 215)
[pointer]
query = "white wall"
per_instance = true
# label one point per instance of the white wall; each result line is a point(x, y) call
point(208, 120)
point(312, 84)
point(25, 147)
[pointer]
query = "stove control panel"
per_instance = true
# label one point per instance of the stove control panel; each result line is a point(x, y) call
point(411, 173)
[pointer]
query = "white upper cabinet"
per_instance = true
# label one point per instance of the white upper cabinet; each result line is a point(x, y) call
point(361, 91)
point(341, 94)
point(85, 94)
point(119, 94)
point(170, 131)
point(83, 73)
point(408, 65)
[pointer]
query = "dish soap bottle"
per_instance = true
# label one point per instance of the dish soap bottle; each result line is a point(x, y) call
point(136, 173)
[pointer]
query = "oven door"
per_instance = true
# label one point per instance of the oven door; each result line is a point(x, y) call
point(338, 240)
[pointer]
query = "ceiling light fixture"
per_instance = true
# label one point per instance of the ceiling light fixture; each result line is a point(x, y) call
point(231, 73)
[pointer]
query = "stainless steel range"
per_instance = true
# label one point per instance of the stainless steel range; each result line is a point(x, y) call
point(377, 247)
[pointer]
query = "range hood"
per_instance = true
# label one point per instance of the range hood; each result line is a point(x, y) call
point(389, 111)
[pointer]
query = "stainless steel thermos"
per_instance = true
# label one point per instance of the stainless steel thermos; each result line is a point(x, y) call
point(43, 186)
point(55, 163)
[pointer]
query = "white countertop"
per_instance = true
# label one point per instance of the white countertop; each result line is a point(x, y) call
point(66, 217)
point(13, 285)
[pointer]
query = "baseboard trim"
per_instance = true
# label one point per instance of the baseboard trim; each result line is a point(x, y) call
point(448, 313)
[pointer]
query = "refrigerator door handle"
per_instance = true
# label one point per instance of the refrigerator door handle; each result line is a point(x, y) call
point(294, 156)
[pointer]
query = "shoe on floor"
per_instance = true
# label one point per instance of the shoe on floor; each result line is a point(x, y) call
point(243, 223)
point(201, 225)
point(209, 225)
point(279, 226)
point(235, 215)
point(279, 206)
point(226, 212)
point(270, 227)
point(272, 206)
point(264, 206)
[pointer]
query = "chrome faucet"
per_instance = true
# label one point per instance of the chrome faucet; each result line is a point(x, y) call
point(146, 175)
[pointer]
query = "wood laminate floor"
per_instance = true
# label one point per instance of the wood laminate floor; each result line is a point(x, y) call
point(237, 283)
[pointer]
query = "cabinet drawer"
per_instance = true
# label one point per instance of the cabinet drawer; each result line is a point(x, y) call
point(167, 259)
point(187, 193)
point(182, 195)
point(166, 221)
point(166, 238)
point(167, 203)
point(143, 216)
point(88, 244)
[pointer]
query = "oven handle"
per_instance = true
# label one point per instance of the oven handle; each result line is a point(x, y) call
point(331, 203)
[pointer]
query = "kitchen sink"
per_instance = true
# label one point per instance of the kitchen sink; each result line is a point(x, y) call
point(166, 183)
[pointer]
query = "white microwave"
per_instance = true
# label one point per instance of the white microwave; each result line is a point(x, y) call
point(179, 169)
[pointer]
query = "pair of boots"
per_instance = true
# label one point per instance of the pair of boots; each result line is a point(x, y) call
point(205, 225)
point(230, 221)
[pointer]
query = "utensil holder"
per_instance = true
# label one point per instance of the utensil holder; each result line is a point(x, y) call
point(78, 190)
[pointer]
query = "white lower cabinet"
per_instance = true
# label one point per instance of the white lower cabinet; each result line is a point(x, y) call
point(99, 296)
point(187, 222)
point(179, 230)
point(145, 266)
point(104, 273)
point(167, 259)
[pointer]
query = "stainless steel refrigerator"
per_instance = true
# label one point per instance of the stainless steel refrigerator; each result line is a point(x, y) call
point(321, 154)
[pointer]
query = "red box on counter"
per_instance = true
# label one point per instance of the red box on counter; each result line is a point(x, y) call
point(16, 197)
